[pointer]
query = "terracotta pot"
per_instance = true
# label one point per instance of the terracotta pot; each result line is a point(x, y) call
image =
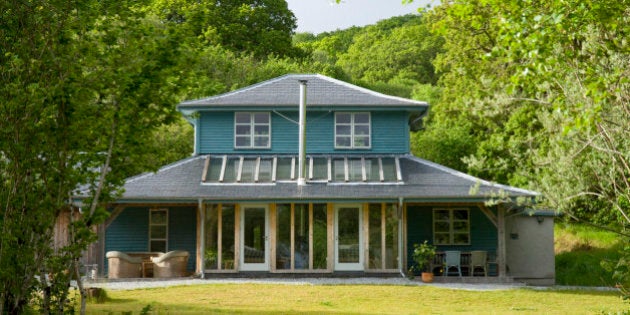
point(427, 277)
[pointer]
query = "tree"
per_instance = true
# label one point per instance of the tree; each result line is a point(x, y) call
point(260, 27)
point(383, 53)
point(71, 80)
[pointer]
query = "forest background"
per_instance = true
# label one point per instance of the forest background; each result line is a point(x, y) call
point(534, 94)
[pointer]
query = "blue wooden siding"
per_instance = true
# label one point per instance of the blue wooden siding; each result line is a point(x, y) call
point(483, 233)
point(129, 232)
point(390, 134)
point(182, 232)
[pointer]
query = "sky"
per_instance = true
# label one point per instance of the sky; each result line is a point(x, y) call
point(317, 16)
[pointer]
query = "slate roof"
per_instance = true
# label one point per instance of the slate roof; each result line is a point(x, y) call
point(422, 181)
point(285, 91)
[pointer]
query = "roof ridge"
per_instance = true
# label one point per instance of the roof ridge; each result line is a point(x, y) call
point(368, 91)
point(244, 89)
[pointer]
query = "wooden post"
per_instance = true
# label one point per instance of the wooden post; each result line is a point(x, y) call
point(331, 236)
point(310, 236)
point(501, 251)
point(273, 230)
point(237, 237)
point(366, 235)
point(201, 239)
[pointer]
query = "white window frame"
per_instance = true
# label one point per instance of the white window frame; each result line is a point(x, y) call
point(353, 126)
point(151, 224)
point(451, 220)
point(252, 135)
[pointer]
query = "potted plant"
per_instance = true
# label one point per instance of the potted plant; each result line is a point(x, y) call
point(423, 255)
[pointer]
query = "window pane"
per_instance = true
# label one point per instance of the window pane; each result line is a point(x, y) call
point(442, 226)
point(243, 141)
point(243, 130)
point(348, 230)
point(211, 254)
point(227, 237)
point(361, 141)
point(261, 142)
point(158, 217)
point(342, 130)
point(361, 130)
point(460, 226)
point(442, 238)
point(247, 174)
point(356, 170)
point(373, 172)
point(343, 118)
point(264, 173)
point(391, 237)
point(375, 250)
point(261, 130)
point(460, 214)
point(214, 171)
point(261, 118)
point(230, 170)
point(343, 142)
point(362, 118)
point(158, 231)
point(389, 169)
point(243, 118)
point(339, 170)
point(283, 236)
point(320, 168)
point(320, 236)
point(283, 171)
point(301, 236)
point(441, 215)
point(158, 246)
point(461, 239)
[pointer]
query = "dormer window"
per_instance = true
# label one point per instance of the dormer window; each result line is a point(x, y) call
point(352, 130)
point(252, 131)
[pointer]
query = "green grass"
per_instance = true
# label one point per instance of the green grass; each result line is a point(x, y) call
point(353, 299)
point(579, 253)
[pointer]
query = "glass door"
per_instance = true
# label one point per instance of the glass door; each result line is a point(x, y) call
point(348, 238)
point(254, 238)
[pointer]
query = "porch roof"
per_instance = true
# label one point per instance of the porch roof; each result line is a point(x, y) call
point(421, 181)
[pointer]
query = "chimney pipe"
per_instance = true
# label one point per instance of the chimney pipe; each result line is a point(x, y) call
point(301, 181)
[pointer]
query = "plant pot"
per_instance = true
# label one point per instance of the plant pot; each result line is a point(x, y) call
point(427, 277)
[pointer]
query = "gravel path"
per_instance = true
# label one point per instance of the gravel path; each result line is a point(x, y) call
point(141, 284)
point(152, 283)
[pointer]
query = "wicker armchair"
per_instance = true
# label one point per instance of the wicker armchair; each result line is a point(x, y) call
point(122, 265)
point(170, 265)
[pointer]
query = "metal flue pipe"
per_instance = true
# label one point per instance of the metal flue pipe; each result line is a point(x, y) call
point(301, 181)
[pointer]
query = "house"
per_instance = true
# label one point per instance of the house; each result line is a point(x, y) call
point(306, 174)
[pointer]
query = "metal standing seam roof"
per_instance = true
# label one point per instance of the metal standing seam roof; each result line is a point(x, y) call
point(422, 181)
point(284, 91)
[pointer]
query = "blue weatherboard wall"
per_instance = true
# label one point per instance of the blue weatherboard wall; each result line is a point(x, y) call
point(182, 232)
point(129, 232)
point(420, 228)
point(390, 134)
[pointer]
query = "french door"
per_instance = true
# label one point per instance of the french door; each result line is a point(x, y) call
point(254, 238)
point(348, 237)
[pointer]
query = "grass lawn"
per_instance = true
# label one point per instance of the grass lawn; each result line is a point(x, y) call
point(579, 252)
point(353, 299)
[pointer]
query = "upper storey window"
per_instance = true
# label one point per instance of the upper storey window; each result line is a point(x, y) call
point(252, 131)
point(352, 130)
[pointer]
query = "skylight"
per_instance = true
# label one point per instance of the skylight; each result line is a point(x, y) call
point(226, 169)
